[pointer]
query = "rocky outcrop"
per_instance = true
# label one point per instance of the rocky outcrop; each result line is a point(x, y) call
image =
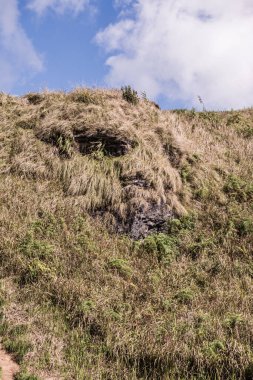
point(149, 221)
point(144, 222)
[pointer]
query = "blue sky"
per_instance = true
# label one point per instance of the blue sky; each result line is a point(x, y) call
point(67, 47)
point(174, 50)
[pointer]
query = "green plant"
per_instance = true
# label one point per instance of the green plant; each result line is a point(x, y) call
point(184, 296)
point(33, 248)
point(168, 305)
point(25, 376)
point(163, 246)
point(245, 227)
point(234, 119)
point(232, 320)
point(86, 306)
point(121, 266)
point(216, 347)
point(246, 131)
point(18, 347)
point(239, 189)
point(33, 271)
point(130, 95)
point(65, 147)
point(182, 224)
point(186, 173)
point(202, 193)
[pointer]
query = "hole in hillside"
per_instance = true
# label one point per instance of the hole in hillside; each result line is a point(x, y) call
point(110, 145)
point(60, 141)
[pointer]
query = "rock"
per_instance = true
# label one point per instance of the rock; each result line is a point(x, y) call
point(145, 222)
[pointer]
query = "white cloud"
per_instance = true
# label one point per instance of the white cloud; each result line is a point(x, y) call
point(184, 48)
point(17, 54)
point(58, 6)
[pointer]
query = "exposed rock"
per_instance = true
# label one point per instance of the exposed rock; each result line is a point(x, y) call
point(145, 222)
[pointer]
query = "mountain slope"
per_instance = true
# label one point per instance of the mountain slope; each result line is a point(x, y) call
point(126, 246)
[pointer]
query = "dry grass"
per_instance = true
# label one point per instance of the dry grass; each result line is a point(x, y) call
point(100, 306)
point(98, 177)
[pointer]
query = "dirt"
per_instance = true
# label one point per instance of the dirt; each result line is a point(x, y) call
point(8, 367)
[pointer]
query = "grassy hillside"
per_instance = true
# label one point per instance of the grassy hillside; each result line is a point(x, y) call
point(126, 238)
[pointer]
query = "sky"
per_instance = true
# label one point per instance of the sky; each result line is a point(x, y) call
point(173, 50)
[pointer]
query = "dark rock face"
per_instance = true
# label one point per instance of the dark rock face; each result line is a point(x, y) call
point(150, 221)
point(111, 145)
point(146, 222)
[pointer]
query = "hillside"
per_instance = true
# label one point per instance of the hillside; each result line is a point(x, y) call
point(126, 238)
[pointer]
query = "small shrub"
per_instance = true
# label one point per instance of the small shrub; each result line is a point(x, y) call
point(233, 320)
point(18, 330)
point(184, 296)
point(25, 376)
point(202, 193)
point(32, 272)
point(86, 306)
point(3, 326)
point(180, 111)
point(234, 119)
point(47, 226)
point(33, 248)
point(167, 305)
point(162, 245)
point(121, 266)
point(238, 189)
point(130, 95)
point(186, 173)
point(216, 347)
point(245, 227)
point(245, 131)
point(185, 223)
point(19, 348)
